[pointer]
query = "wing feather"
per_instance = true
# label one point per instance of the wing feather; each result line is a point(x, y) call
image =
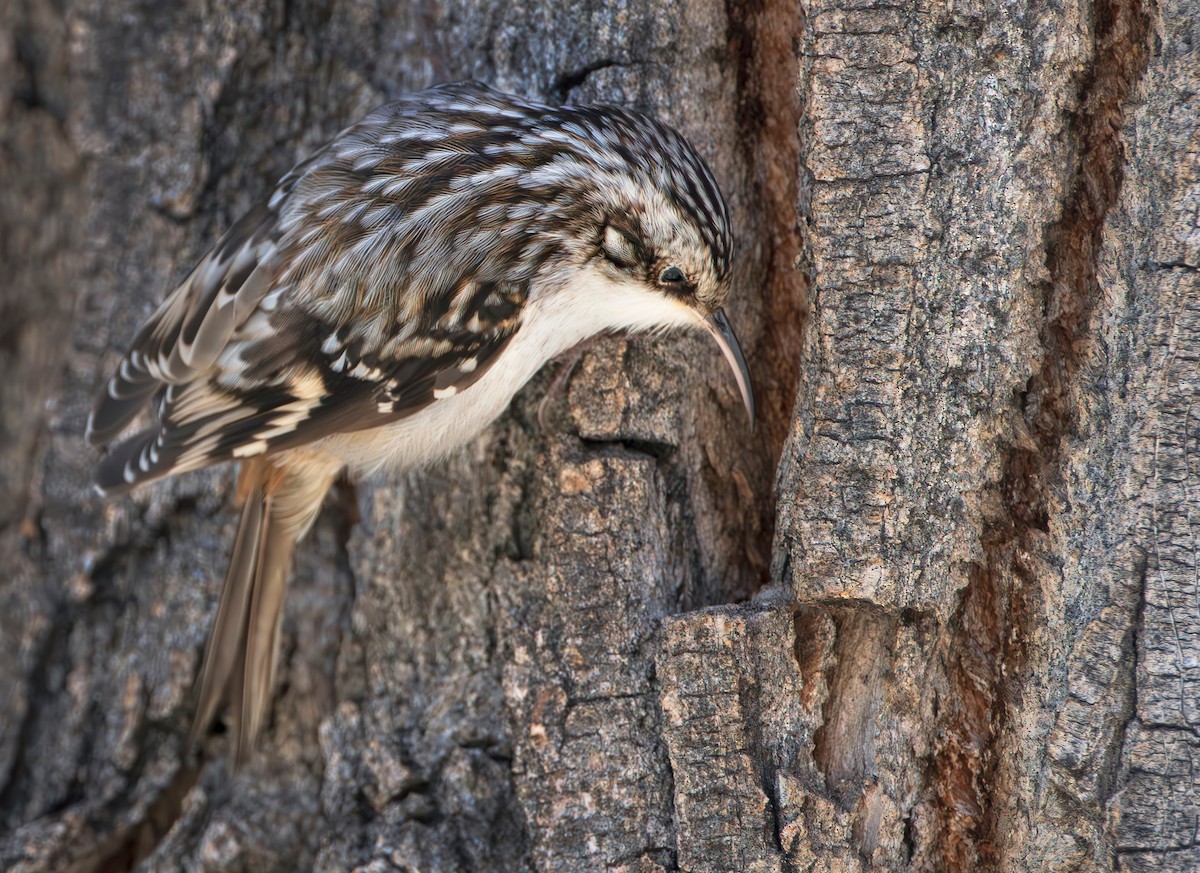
point(287, 378)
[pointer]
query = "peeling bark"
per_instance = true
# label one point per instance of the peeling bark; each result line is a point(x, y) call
point(937, 612)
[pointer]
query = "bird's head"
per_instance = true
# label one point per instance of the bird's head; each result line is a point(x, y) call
point(653, 240)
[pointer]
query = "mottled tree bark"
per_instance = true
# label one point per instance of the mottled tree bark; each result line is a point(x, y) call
point(937, 612)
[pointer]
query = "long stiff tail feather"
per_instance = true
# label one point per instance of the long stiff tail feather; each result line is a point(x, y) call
point(279, 506)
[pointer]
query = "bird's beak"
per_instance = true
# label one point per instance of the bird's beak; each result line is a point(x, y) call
point(718, 325)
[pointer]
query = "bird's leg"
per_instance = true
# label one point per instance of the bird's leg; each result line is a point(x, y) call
point(567, 362)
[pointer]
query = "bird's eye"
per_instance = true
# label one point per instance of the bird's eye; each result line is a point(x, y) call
point(671, 276)
point(619, 248)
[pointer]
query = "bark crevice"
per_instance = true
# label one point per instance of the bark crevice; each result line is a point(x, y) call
point(998, 605)
point(763, 44)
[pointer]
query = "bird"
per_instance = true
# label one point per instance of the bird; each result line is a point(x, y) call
point(385, 303)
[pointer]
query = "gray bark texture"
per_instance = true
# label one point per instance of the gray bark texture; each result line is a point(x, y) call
point(939, 611)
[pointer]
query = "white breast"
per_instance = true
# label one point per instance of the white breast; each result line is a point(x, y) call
point(553, 322)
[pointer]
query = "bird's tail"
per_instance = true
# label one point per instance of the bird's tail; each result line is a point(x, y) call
point(278, 507)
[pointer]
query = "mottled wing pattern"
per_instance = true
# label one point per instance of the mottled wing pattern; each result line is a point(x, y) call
point(188, 331)
point(307, 319)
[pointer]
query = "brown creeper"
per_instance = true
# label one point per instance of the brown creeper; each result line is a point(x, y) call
point(386, 303)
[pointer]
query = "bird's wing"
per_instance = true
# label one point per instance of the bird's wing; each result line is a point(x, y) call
point(187, 332)
point(301, 322)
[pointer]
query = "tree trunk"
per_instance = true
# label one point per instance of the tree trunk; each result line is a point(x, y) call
point(937, 612)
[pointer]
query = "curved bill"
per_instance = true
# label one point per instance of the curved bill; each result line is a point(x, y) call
point(718, 326)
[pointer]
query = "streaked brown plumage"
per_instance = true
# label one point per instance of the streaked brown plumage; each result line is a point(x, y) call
point(384, 305)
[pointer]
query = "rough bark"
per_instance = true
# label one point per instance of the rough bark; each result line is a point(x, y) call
point(937, 613)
